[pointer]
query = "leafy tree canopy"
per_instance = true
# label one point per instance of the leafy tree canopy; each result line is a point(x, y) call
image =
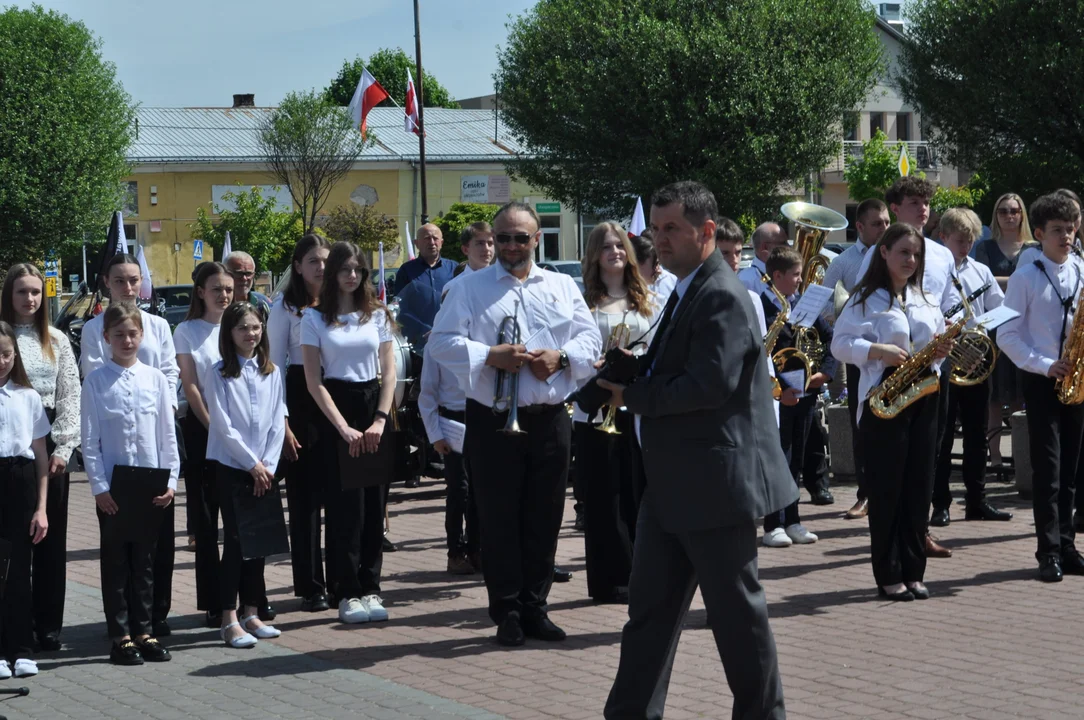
point(452, 223)
point(389, 67)
point(871, 172)
point(256, 225)
point(362, 225)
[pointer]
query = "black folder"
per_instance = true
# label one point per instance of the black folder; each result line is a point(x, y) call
point(133, 490)
point(261, 524)
point(368, 469)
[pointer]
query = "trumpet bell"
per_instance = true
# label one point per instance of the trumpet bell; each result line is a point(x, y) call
point(609, 426)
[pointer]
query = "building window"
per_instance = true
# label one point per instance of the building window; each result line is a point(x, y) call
point(551, 237)
point(903, 126)
point(131, 199)
point(852, 218)
point(130, 235)
point(850, 126)
point(876, 122)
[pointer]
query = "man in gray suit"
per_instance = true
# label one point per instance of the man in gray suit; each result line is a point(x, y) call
point(714, 467)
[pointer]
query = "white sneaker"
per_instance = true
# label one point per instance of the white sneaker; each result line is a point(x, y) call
point(352, 610)
point(800, 535)
point(777, 538)
point(5, 671)
point(25, 668)
point(375, 605)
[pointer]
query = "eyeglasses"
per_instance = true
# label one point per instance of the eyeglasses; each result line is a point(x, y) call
point(1008, 211)
point(505, 238)
point(242, 274)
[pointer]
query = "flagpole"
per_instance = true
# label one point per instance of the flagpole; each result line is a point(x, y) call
point(421, 110)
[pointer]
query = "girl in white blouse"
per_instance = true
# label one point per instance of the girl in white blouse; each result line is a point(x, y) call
point(196, 340)
point(53, 372)
point(304, 482)
point(616, 293)
point(346, 344)
point(127, 420)
point(24, 486)
point(247, 406)
point(887, 319)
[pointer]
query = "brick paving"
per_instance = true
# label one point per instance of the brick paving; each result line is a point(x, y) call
point(992, 643)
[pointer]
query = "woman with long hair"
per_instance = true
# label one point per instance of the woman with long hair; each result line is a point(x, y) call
point(616, 294)
point(304, 482)
point(197, 352)
point(346, 343)
point(887, 318)
point(53, 372)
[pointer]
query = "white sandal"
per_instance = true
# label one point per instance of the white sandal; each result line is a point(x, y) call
point(264, 633)
point(243, 641)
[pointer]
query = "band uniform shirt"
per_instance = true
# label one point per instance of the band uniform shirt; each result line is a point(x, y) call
point(350, 348)
point(22, 420)
point(860, 325)
point(467, 325)
point(936, 281)
point(199, 339)
point(758, 310)
point(248, 416)
point(639, 327)
point(284, 337)
point(771, 307)
point(439, 389)
point(1033, 339)
point(156, 349)
point(56, 381)
point(845, 267)
point(751, 277)
point(127, 419)
point(661, 289)
point(973, 275)
point(467, 270)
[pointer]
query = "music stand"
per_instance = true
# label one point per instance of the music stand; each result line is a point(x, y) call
point(5, 563)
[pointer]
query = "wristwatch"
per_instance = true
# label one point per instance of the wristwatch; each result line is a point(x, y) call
point(564, 359)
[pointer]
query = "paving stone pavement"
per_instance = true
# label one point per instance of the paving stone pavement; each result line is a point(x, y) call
point(992, 643)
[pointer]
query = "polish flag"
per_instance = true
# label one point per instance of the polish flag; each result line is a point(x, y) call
point(382, 291)
point(227, 247)
point(637, 226)
point(409, 243)
point(410, 123)
point(145, 286)
point(367, 96)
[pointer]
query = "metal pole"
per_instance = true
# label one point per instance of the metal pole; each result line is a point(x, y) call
point(421, 110)
point(85, 263)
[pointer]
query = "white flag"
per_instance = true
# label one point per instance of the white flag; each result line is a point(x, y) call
point(145, 287)
point(122, 242)
point(226, 249)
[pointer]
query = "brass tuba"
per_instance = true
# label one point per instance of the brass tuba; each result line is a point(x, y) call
point(509, 401)
point(619, 338)
point(1071, 388)
point(812, 223)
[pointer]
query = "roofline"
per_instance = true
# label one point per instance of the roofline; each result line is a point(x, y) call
point(884, 25)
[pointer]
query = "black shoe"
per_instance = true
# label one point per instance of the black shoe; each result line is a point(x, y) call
point(561, 576)
point(581, 521)
point(1050, 570)
point(904, 595)
point(153, 651)
point(212, 620)
point(315, 603)
point(986, 511)
point(542, 628)
point(388, 545)
point(1072, 563)
point(161, 628)
point(49, 642)
point(266, 613)
point(822, 496)
point(618, 596)
point(126, 653)
point(940, 517)
point(510, 632)
point(413, 481)
point(922, 593)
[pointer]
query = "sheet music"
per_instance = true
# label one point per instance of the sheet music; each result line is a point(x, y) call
point(794, 379)
point(810, 306)
point(997, 317)
point(543, 340)
point(453, 432)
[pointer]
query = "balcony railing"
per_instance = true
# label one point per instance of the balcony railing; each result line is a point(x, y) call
point(923, 155)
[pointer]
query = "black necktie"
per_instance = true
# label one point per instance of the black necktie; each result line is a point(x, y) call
point(664, 324)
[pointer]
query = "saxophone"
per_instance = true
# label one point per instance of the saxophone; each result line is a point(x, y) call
point(780, 320)
point(792, 357)
point(1071, 388)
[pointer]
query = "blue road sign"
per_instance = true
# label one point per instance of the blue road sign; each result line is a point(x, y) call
point(197, 249)
point(50, 268)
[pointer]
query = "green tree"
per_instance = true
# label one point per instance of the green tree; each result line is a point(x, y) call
point(870, 173)
point(65, 127)
point(613, 98)
point(1016, 119)
point(309, 145)
point(362, 225)
point(389, 67)
point(256, 225)
point(453, 222)
point(968, 196)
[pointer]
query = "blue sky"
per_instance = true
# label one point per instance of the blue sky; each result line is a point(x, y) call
point(175, 53)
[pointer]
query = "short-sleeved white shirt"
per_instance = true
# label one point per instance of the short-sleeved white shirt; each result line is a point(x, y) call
point(22, 420)
point(199, 339)
point(350, 349)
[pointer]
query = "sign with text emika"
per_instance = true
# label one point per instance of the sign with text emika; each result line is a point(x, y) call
point(543, 208)
point(492, 189)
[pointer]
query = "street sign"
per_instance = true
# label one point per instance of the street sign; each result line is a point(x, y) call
point(197, 249)
point(51, 269)
point(50, 286)
point(73, 279)
point(550, 207)
point(903, 164)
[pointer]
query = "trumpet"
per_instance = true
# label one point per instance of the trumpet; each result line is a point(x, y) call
point(619, 338)
point(509, 401)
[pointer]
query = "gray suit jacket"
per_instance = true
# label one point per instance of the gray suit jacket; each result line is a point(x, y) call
point(709, 437)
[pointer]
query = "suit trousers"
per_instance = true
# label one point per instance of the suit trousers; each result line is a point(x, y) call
point(854, 376)
point(305, 489)
point(666, 568)
point(238, 574)
point(900, 485)
point(19, 489)
point(461, 506)
point(520, 482)
point(1054, 437)
point(127, 572)
point(795, 423)
point(202, 505)
point(50, 556)
point(970, 406)
point(815, 461)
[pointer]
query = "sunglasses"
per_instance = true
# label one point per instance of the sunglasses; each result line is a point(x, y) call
point(505, 238)
point(1008, 211)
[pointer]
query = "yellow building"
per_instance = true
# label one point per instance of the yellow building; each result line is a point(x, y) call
point(186, 158)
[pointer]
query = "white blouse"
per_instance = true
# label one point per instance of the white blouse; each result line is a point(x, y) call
point(860, 325)
point(284, 336)
point(607, 321)
point(199, 339)
point(156, 349)
point(127, 418)
point(348, 351)
point(248, 417)
point(22, 420)
point(57, 382)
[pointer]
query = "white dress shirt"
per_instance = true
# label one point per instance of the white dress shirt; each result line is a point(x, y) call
point(973, 275)
point(1028, 256)
point(439, 388)
point(845, 267)
point(22, 420)
point(348, 351)
point(762, 323)
point(660, 289)
point(936, 281)
point(467, 324)
point(1032, 340)
point(751, 277)
point(467, 270)
point(127, 416)
point(156, 349)
point(199, 339)
point(248, 416)
point(284, 337)
point(860, 325)
point(56, 381)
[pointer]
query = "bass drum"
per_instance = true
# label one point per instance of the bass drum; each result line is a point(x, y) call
point(404, 366)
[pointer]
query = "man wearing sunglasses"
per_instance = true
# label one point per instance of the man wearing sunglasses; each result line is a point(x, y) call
point(419, 284)
point(243, 271)
point(519, 479)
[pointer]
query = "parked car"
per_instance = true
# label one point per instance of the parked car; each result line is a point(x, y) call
point(566, 267)
point(173, 302)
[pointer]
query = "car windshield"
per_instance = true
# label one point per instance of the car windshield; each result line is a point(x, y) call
point(573, 269)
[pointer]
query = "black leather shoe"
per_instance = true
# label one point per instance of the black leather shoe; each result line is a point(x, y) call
point(153, 651)
point(580, 522)
point(266, 613)
point(315, 603)
point(940, 517)
point(126, 653)
point(822, 497)
point(1050, 570)
point(561, 576)
point(904, 595)
point(49, 642)
point(510, 631)
point(986, 511)
point(413, 481)
point(542, 628)
point(920, 592)
point(161, 628)
point(1072, 563)
point(388, 545)
point(212, 620)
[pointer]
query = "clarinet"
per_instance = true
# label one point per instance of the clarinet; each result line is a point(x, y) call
point(970, 299)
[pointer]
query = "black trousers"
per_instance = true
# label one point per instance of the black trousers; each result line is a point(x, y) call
point(795, 423)
point(127, 581)
point(520, 482)
point(854, 376)
point(461, 506)
point(1054, 436)
point(815, 461)
point(202, 506)
point(239, 576)
point(305, 490)
point(604, 463)
point(19, 490)
point(900, 484)
point(50, 557)
point(355, 516)
point(971, 406)
point(666, 568)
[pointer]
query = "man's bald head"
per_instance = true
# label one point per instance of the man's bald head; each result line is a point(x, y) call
point(429, 240)
point(243, 270)
point(767, 237)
